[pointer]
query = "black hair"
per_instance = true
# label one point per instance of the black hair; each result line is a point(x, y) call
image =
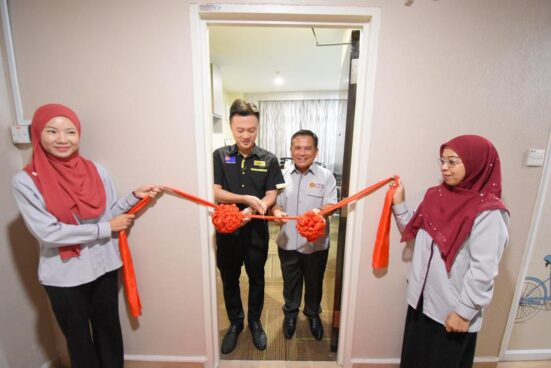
point(243, 108)
point(308, 133)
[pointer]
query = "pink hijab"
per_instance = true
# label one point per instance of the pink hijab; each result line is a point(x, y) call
point(448, 213)
point(71, 187)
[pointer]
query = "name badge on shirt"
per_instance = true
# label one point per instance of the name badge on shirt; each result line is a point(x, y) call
point(230, 159)
point(260, 163)
point(313, 185)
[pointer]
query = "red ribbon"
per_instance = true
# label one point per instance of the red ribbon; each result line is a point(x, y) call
point(228, 218)
point(128, 273)
point(381, 249)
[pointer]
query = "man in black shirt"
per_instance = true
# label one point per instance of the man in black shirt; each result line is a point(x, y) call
point(249, 176)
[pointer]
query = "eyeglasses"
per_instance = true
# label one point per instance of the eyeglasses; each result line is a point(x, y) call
point(451, 162)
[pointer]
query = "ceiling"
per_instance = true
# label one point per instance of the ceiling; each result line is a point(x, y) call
point(249, 58)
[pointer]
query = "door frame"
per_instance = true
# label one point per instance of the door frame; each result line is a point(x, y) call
point(365, 18)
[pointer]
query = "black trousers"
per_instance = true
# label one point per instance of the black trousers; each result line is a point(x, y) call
point(231, 254)
point(298, 268)
point(88, 315)
point(427, 344)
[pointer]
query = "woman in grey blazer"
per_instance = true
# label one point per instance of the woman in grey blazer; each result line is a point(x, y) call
point(70, 206)
point(460, 230)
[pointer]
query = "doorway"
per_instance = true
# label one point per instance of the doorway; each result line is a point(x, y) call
point(367, 19)
point(299, 77)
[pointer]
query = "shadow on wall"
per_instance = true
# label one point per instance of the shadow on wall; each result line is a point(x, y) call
point(24, 252)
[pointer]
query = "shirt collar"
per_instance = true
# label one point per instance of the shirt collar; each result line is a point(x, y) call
point(233, 150)
point(312, 169)
point(255, 152)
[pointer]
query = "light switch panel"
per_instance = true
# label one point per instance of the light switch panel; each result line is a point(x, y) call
point(20, 134)
point(535, 157)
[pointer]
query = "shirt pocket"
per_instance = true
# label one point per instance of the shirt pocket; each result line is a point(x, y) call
point(259, 175)
point(259, 170)
point(315, 193)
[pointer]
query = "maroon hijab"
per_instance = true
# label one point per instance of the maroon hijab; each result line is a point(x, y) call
point(448, 213)
point(70, 186)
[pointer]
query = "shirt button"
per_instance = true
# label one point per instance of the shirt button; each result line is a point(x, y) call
point(242, 185)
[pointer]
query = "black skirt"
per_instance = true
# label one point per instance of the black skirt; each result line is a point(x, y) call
point(427, 344)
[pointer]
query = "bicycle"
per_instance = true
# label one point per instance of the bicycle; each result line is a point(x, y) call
point(535, 294)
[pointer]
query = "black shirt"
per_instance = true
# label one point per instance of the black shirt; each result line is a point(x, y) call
point(253, 175)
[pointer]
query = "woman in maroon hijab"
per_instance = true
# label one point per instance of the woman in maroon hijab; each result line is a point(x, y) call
point(460, 230)
point(70, 206)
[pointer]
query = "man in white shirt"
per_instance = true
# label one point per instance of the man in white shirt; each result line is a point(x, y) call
point(310, 187)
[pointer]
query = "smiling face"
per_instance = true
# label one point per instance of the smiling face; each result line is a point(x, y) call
point(244, 130)
point(60, 137)
point(452, 168)
point(303, 152)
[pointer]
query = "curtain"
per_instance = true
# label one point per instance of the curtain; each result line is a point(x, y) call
point(280, 119)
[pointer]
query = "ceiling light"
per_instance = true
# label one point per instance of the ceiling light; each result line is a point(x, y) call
point(278, 80)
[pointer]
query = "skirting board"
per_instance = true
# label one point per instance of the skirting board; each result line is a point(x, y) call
point(164, 361)
point(527, 354)
point(148, 361)
point(479, 362)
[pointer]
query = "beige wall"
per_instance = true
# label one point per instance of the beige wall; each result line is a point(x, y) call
point(25, 324)
point(444, 68)
point(125, 67)
point(447, 68)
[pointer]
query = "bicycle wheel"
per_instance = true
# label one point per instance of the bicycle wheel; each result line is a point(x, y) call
point(527, 306)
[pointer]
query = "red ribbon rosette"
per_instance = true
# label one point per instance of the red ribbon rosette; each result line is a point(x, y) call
point(311, 226)
point(227, 218)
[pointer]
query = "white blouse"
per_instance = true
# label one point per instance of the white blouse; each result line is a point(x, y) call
point(468, 288)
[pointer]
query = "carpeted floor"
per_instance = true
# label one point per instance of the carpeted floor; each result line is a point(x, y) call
point(302, 346)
